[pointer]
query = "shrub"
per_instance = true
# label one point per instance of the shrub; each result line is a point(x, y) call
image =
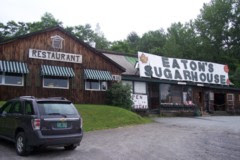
point(119, 95)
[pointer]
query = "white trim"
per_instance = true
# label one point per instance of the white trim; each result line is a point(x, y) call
point(182, 83)
point(3, 82)
point(231, 98)
point(55, 87)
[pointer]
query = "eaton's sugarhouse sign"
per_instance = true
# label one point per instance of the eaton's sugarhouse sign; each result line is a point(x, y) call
point(55, 56)
point(182, 69)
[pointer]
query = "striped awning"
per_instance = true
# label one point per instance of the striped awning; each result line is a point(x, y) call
point(13, 67)
point(97, 75)
point(58, 71)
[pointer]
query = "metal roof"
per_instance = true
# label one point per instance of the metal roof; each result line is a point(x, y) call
point(127, 62)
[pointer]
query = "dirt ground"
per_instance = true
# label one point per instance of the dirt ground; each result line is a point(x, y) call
point(202, 138)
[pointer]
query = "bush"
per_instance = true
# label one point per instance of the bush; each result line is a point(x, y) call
point(120, 95)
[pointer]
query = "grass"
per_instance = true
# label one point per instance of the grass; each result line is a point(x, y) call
point(96, 117)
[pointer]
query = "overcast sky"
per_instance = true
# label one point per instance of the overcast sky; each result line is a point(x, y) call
point(117, 18)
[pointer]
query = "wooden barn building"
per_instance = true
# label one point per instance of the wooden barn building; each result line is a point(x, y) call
point(52, 63)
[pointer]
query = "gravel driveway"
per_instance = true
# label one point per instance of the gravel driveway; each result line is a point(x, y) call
point(203, 138)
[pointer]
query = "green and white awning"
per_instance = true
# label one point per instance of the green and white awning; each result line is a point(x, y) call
point(13, 67)
point(57, 71)
point(97, 75)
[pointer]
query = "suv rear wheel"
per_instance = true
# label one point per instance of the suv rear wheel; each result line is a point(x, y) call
point(21, 144)
point(70, 147)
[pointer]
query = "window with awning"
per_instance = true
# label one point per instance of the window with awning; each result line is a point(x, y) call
point(97, 79)
point(13, 67)
point(57, 71)
point(12, 73)
point(56, 76)
point(97, 75)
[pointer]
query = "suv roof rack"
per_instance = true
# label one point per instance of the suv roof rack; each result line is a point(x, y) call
point(60, 98)
point(27, 97)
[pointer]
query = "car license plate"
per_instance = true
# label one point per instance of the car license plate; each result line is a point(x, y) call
point(61, 124)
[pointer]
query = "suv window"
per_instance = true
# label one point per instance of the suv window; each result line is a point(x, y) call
point(56, 108)
point(29, 108)
point(16, 108)
point(6, 108)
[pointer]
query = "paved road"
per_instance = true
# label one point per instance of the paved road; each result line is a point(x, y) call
point(204, 138)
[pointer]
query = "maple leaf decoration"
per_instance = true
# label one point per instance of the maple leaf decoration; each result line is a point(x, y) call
point(226, 69)
point(143, 58)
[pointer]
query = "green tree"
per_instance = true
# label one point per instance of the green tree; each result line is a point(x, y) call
point(13, 29)
point(152, 42)
point(119, 95)
point(218, 27)
point(133, 41)
point(82, 32)
point(86, 34)
point(182, 42)
point(236, 77)
point(121, 46)
point(214, 26)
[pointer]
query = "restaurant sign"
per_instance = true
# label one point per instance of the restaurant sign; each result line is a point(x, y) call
point(182, 69)
point(55, 56)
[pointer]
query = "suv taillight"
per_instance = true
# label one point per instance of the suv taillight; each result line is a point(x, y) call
point(81, 122)
point(36, 124)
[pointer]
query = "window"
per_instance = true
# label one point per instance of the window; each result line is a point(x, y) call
point(170, 94)
point(47, 108)
point(1, 77)
point(29, 108)
point(56, 82)
point(12, 79)
point(140, 87)
point(130, 83)
point(230, 97)
point(16, 108)
point(165, 93)
point(92, 85)
point(96, 85)
point(187, 96)
point(211, 96)
point(6, 108)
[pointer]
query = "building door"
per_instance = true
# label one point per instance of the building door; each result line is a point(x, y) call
point(198, 98)
point(219, 102)
point(206, 107)
point(153, 95)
